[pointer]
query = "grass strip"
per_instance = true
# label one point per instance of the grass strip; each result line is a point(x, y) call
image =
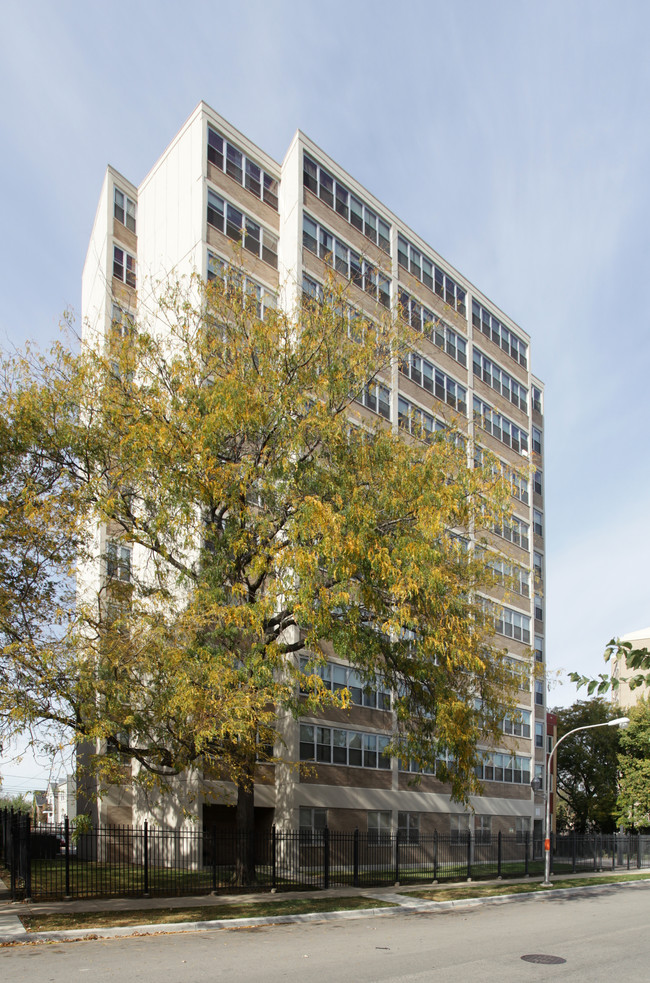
point(58, 922)
point(475, 890)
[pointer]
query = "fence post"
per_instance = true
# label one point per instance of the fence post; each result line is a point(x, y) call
point(66, 846)
point(213, 837)
point(435, 854)
point(469, 855)
point(629, 849)
point(596, 852)
point(614, 849)
point(355, 858)
point(499, 855)
point(145, 846)
point(28, 859)
point(526, 852)
point(274, 869)
point(326, 857)
point(13, 859)
point(573, 852)
point(397, 858)
point(638, 849)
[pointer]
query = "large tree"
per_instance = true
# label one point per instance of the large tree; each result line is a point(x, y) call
point(587, 765)
point(633, 804)
point(250, 510)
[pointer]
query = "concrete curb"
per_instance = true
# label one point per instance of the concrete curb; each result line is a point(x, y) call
point(403, 904)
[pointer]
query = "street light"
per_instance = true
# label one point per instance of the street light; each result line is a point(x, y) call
point(617, 722)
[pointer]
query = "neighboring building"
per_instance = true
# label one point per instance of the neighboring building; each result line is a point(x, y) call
point(623, 695)
point(62, 800)
point(210, 186)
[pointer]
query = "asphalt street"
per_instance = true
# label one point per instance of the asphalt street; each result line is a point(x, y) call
point(601, 935)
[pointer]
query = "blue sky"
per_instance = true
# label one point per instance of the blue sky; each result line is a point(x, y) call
point(513, 136)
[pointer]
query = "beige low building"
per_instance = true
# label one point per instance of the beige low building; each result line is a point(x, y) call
point(623, 694)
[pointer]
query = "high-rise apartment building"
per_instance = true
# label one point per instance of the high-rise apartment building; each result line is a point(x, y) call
point(296, 220)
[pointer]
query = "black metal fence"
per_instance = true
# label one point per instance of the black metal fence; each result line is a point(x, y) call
point(52, 862)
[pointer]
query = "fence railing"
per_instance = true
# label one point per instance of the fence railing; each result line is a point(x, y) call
point(54, 862)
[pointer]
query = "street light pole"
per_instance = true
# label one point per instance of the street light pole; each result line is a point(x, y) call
point(617, 722)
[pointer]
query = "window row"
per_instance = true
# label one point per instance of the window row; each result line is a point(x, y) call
point(511, 575)
point(492, 375)
point(124, 209)
point(334, 745)
point(500, 426)
point(263, 298)
point(322, 243)
point(418, 422)
point(504, 768)
point(517, 725)
point(375, 397)
point(422, 372)
point(336, 678)
point(123, 266)
point(492, 328)
point(241, 168)
point(432, 327)
point(425, 270)
point(514, 530)
point(241, 228)
point(518, 482)
point(443, 757)
point(353, 210)
point(512, 624)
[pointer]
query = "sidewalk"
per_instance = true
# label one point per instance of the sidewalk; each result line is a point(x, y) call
point(12, 929)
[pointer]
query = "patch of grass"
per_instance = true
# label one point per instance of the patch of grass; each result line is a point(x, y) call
point(57, 922)
point(492, 890)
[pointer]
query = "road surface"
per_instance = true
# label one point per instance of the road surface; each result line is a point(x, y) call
point(602, 935)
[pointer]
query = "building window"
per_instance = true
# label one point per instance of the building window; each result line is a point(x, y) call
point(417, 421)
point(241, 228)
point(536, 398)
point(539, 608)
point(510, 623)
point(118, 562)
point(263, 298)
point(497, 332)
point(496, 767)
point(513, 530)
point(459, 827)
point(124, 266)
point(312, 823)
point(369, 278)
point(511, 576)
point(539, 693)
point(408, 827)
point(500, 426)
point(538, 485)
point(494, 376)
point(379, 827)
point(539, 648)
point(538, 523)
point(539, 734)
point(425, 270)
point(432, 327)
point(375, 397)
point(124, 209)
point(426, 375)
point(537, 440)
point(339, 198)
point(228, 158)
point(483, 830)
point(122, 323)
point(519, 725)
point(336, 677)
point(522, 828)
point(333, 745)
point(549, 744)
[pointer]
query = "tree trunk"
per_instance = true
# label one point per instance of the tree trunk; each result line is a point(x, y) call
point(245, 824)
